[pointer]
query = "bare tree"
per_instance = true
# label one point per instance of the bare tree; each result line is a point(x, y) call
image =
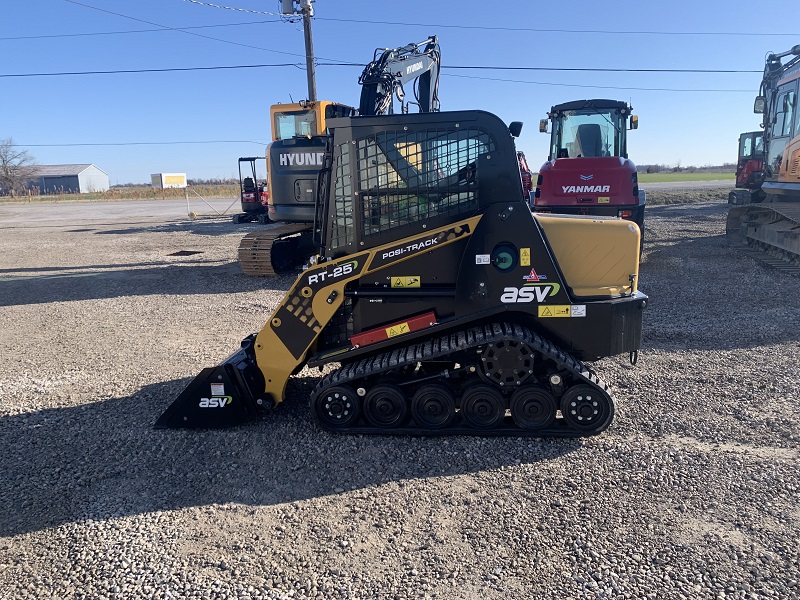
point(17, 167)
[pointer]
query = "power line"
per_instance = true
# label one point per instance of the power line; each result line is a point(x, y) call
point(244, 10)
point(578, 31)
point(141, 143)
point(599, 87)
point(530, 29)
point(162, 29)
point(444, 67)
point(126, 71)
point(200, 35)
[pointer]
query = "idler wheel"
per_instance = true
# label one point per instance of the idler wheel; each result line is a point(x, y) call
point(385, 406)
point(433, 406)
point(586, 408)
point(483, 407)
point(337, 407)
point(533, 407)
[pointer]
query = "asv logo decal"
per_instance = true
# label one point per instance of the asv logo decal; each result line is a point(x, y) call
point(216, 402)
point(529, 293)
point(338, 271)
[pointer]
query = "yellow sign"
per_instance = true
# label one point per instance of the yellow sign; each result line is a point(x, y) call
point(399, 329)
point(406, 281)
point(555, 310)
point(603, 199)
point(525, 257)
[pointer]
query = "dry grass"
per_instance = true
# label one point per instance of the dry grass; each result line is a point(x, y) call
point(657, 197)
point(130, 193)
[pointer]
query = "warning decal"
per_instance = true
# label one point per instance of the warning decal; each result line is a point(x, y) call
point(398, 329)
point(562, 310)
point(578, 310)
point(406, 281)
point(557, 310)
point(525, 257)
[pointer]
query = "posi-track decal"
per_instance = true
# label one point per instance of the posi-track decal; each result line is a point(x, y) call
point(418, 245)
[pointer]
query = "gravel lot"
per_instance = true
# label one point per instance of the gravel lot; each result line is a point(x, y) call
point(692, 493)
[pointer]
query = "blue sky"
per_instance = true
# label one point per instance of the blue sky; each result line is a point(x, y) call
point(130, 121)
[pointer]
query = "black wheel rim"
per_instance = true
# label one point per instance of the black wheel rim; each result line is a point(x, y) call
point(533, 408)
point(433, 407)
point(337, 407)
point(507, 362)
point(482, 407)
point(586, 408)
point(386, 406)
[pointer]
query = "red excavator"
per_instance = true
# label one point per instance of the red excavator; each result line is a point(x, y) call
point(588, 171)
point(749, 169)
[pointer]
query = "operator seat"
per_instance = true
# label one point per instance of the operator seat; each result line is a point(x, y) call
point(590, 137)
point(249, 185)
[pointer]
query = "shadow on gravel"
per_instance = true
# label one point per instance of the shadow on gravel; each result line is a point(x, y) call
point(104, 460)
point(189, 275)
point(206, 227)
point(200, 227)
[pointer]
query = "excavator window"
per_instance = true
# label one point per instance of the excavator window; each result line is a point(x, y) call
point(292, 124)
point(782, 125)
point(591, 132)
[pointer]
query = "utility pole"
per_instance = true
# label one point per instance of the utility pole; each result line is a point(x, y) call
point(287, 8)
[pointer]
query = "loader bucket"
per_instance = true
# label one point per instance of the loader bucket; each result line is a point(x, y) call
point(219, 397)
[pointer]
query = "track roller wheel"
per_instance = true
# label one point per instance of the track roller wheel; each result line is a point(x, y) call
point(433, 406)
point(586, 408)
point(533, 407)
point(337, 407)
point(385, 406)
point(482, 407)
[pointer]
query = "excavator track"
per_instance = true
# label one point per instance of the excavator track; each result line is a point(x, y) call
point(497, 379)
point(770, 231)
point(274, 251)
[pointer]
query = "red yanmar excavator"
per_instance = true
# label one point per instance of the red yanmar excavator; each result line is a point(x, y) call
point(588, 171)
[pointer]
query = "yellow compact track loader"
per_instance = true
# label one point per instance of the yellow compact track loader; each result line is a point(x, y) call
point(445, 305)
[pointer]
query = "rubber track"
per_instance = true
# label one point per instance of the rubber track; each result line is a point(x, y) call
point(458, 342)
point(780, 259)
point(255, 249)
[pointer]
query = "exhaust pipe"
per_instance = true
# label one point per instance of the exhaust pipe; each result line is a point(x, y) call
point(227, 395)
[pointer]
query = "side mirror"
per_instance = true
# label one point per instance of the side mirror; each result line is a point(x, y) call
point(515, 128)
point(758, 105)
point(543, 125)
point(634, 122)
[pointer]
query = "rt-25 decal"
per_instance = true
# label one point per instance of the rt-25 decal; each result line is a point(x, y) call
point(334, 273)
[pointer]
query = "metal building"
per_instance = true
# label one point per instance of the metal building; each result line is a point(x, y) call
point(69, 179)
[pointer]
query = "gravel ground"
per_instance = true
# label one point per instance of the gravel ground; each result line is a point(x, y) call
point(692, 493)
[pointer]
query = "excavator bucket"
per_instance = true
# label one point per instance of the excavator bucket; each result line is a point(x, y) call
point(221, 396)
